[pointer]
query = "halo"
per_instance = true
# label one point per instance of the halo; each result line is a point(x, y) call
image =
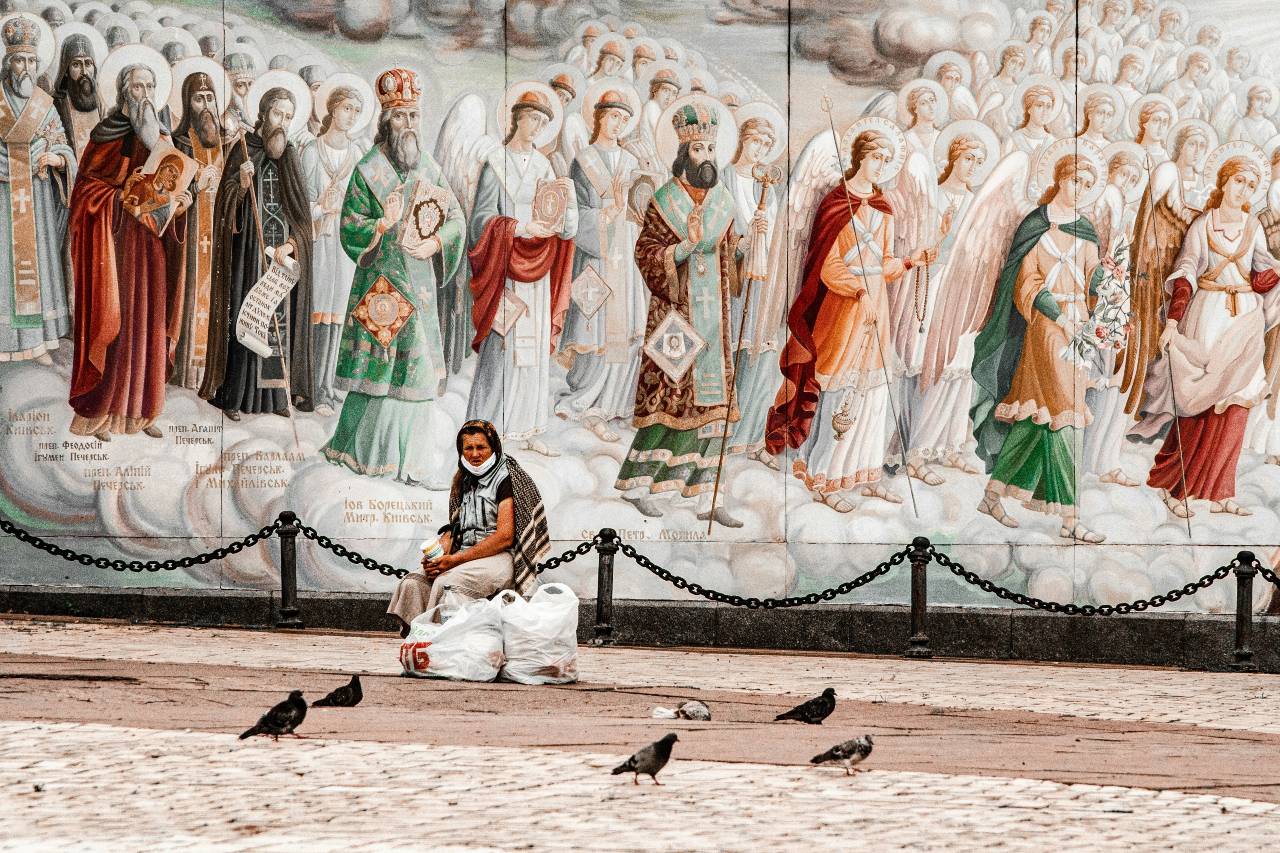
point(651, 43)
point(1139, 155)
point(579, 78)
point(1209, 132)
point(667, 144)
point(940, 95)
point(83, 9)
point(1042, 171)
point(115, 19)
point(1117, 102)
point(134, 54)
point(732, 88)
point(166, 11)
point(674, 46)
point(514, 91)
point(682, 76)
point(201, 28)
point(969, 127)
point(44, 46)
point(1171, 4)
point(137, 7)
point(97, 44)
point(1240, 148)
point(593, 58)
point(695, 60)
point(1026, 53)
point(244, 47)
point(250, 33)
point(183, 69)
point(1269, 147)
point(1146, 63)
point(166, 35)
point(632, 29)
point(1082, 48)
point(624, 88)
point(1131, 123)
point(44, 5)
point(1270, 86)
point(1222, 57)
point(581, 29)
point(1031, 21)
point(941, 58)
point(770, 113)
point(1184, 58)
point(285, 79)
point(703, 78)
point(1015, 101)
point(884, 126)
point(354, 81)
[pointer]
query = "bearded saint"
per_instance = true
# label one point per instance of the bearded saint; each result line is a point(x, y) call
point(199, 136)
point(262, 183)
point(125, 326)
point(75, 91)
point(688, 255)
point(39, 168)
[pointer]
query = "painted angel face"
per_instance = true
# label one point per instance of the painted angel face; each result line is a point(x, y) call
point(529, 124)
point(1074, 186)
point(666, 95)
point(1125, 177)
point(754, 147)
point(1198, 69)
point(1014, 65)
point(1100, 114)
point(874, 162)
point(968, 163)
point(1040, 110)
point(1239, 188)
point(1194, 149)
point(926, 106)
point(563, 95)
point(344, 115)
point(1209, 36)
point(1259, 101)
point(1155, 128)
point(640, 63)
point(949, 76)
point(610, 64)
point(1131, 68)
point(1039, 31)
point(612, 121)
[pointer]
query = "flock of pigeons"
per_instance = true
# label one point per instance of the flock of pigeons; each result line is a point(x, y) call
point(284, 719)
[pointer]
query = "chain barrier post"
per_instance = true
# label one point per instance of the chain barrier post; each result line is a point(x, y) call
point(1244, 570)
point(606, 549)
point(919, 555)
point(290, 616)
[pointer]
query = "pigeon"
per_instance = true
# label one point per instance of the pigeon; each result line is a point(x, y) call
point(851, 752)
point(346, 696)
point(813, 711)
point(282, 719)
point(648, 760)
point(691, 710)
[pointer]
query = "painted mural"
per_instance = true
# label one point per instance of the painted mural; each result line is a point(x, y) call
point(768, 287)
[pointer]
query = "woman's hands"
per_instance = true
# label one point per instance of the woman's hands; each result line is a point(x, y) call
point(437, 567)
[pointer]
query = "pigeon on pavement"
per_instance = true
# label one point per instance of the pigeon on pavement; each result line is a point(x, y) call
point(346, 696)
point(814, 711)
point(691, 710)
point(648, 760)
point(282, 719)
point(850, 752)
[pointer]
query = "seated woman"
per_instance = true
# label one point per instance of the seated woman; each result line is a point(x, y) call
point(496, 535)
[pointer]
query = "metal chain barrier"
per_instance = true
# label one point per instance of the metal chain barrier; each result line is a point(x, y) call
point(1268, 574)
point(118, 565)
point(765, 603)
point(1190, 588)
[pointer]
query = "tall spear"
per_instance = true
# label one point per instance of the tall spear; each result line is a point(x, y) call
point(827, 106)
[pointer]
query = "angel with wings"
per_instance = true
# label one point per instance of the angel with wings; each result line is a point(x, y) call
point(1028, 398)
point(569, 84)
point(1138, 30)
point(1040, 104)
point(1130, 74)
point(1169, 43)
point(834, 405)
point(1106, 40)
point(1039, 32)
point(1187, 89)
point(1263, 433)
point(1175, 195)
point(954, 74)
point(995, 94)
point(1221, 299)
point(1256, 125)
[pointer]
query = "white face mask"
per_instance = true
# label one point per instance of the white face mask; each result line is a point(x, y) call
point(481, 469)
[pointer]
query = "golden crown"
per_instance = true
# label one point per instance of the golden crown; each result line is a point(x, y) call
point(20, 35)
point(398, 87)
point(695, 122)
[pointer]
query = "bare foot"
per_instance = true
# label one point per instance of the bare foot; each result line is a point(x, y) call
point(1228, 506)
point(538, 446)
point(877, 491)
point(324, 410)
point(1118, 477)
point(925, 474)
point(990, 505)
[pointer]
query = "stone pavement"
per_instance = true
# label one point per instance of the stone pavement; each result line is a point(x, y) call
point(119, 737)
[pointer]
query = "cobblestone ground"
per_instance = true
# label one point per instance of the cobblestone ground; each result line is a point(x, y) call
point(126, 787)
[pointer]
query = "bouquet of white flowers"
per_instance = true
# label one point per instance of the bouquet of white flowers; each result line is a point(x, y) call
point(1108, 325)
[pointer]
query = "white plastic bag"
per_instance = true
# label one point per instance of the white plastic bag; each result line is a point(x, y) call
point(465, 646)
point(540, 636)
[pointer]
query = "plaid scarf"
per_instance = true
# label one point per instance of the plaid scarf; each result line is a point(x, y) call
point(532, 541)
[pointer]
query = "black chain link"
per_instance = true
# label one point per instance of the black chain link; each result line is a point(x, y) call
point(1268, 574)
point(1190, 588)
point(765, 603)
point(118, 565)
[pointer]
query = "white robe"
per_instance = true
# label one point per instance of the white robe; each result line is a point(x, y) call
point(331, 269)
point(1257, 129)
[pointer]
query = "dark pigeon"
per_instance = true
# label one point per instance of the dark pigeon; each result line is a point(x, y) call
point(346, 696)
point(282, 719)
point(813, 711)
point(850, 752)
point(648, 760)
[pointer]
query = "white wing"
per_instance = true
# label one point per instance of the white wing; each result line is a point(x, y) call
point(573, 138)
point(962, 104)
point(463, 146)
point(1164, 75)
point(1225, 116)
point(995, 115)
point(912, 199)
point(884, 105)
point(816, 172)
point(981, 70)
point(968, 278)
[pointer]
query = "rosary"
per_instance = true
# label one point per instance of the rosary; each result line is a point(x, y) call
point(920, 307)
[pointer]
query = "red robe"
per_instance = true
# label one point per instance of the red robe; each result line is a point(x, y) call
point(792, 414)
point(498, 255)
point(124, 328)
point(1211, 441)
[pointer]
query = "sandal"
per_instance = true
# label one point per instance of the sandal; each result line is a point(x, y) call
point(1080, 533)
point(601, 429)
point(834, 501)
point(1118, 477)
point(990, 505)
point(958, 462)
point(1175, 506)
point(1229, 507)
point(883, 494)
point(765, 457)
point(925, 474)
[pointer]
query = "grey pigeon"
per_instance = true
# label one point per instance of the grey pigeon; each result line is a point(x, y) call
point(850, 752)
point(346, 696)
point(691, 710)
point(648, 760)
point(814, 711)
point(282, 719)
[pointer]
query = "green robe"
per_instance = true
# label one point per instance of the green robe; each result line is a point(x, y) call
point(389, 386)
point(1038, 462)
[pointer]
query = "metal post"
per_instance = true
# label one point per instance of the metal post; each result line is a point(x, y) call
point(289, 616)
point(918, 644)
point(1244, 572)
point(606, 550)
